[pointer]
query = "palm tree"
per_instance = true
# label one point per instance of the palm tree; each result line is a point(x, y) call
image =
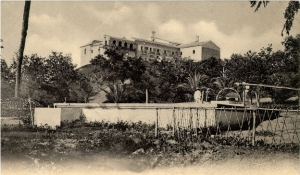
point(22, 46)
point(196, 81)
point(115, 91)
point(223, 82)
point(193, 82)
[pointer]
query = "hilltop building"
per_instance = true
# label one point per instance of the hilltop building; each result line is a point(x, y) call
point(153, 48)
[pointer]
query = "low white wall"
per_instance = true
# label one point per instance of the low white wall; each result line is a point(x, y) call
point(49, 116)
point(114, 115)
point(201, 117)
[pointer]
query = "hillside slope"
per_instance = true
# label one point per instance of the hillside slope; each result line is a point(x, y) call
point(97, 95)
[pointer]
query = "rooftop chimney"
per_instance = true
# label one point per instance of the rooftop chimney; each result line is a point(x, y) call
point(197, 38)
point(153, 35)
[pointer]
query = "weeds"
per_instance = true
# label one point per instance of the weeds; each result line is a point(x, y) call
point(44, 147)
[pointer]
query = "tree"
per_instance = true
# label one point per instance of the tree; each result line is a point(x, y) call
point(193, 83)
point(22, 46)
point(223, 82)
point(52, 79)
point(6, 87)
point(289, 13)
point(210, 67)
point(115, 91)
point(4, 69)
point(117, 74)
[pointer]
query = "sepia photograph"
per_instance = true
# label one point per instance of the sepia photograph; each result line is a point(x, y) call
point(150, 87)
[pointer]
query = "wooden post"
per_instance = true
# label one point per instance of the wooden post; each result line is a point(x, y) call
point(202, 94)
point(146, 96)
point(253, 128)
point(205, 119)
point(174, 121)
point(191, 123)
point(191, 119)
point(257, 99)
point(156, 124)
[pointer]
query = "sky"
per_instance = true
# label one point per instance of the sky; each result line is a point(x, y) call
point(64, 26)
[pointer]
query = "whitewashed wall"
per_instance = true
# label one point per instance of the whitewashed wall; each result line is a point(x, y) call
point(164, 116)
point(49, 116)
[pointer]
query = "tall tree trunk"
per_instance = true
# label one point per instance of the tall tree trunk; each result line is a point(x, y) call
point(22, 46)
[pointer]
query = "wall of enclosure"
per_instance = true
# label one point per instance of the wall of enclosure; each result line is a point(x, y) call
point(189, 122)
point(244, 125)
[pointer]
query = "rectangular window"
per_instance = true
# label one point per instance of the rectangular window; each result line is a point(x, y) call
point(150, 49)
point(141, 47)
point(91, 51)
point(193, 51)
point(84, 51)
point(157, 50)
point(146, 48)
point(180, 53)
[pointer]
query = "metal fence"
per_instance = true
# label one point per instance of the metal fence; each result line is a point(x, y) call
point(236, 125)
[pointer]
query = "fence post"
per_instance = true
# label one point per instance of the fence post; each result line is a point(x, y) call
point(253, 129)
point(174, 121)
point(156, 124)
point(146, 96)
point(30, 109)
point(191, 119)
point(205, 117)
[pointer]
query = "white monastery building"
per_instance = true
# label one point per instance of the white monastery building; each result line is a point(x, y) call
point(148, 49)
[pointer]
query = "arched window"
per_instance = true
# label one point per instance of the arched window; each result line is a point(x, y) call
point(131, 46)
point(125, 45)
point(105, 42)
point(120, 44)
point(114, 42)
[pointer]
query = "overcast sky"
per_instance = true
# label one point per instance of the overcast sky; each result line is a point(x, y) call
point(65, 26)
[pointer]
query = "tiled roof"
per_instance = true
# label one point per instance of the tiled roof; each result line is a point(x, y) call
point(193, 44)
point(92, 42)
point(171, 42)
point(120, 38)
point(155, 42)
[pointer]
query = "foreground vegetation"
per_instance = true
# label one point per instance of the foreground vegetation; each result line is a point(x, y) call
point(131, 146)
